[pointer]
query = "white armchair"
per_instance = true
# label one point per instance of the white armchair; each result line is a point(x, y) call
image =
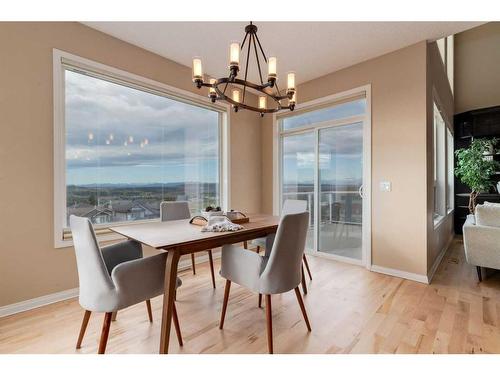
point(482, 238)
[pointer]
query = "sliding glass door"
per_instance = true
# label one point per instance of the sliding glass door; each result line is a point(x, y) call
point(322, 156)
point(298, 174)
point(340, 190)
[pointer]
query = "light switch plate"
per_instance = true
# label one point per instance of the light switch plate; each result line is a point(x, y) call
point(385, 186)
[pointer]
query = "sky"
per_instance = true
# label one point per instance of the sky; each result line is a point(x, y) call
point(117, 134)
point(106, 124)
point(340, 156)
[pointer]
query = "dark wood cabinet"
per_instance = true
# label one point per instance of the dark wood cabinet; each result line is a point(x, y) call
point(479, 123)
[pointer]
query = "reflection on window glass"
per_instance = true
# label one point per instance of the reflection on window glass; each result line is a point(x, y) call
point(439, 164)
point(298, 160)
point(127, 150)
point(340, 187)
point(348, 109)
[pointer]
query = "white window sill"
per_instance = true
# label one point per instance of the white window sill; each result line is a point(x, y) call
point(105, 236)
point(438, 220)
point(60, 243)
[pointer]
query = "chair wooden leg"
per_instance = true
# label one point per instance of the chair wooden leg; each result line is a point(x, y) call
point(224, 304)
point(302, 307)
point(303, 282)
point(105, 332)
point(257, 250)
point(307, 266)
point(479, 276)
point(269, 320)
point(85, 322)
point(245, 244)
point(175, 317)
point(193, 265)
point(150, 312)
point(113, 316)
point(211, 260)
point(260, 300)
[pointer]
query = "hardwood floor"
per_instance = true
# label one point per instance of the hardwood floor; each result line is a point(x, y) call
point(350, 310)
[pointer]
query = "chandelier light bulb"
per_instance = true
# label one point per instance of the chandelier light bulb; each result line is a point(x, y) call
point(91, 136)
point(130, 139)
point(291, 81)
point(197, 69)
point(234, 54)
point(262, 102)
point(146, 141)
point(236, 95)
point(111, 137)
point(211, 90)
point(271, 67)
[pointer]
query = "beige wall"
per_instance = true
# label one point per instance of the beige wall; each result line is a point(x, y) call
point(437, 81)
point(29, 264)
point(398, 80)
point(477, 68)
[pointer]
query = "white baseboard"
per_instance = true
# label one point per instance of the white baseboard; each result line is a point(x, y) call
point(37, 302)
point(398, 273)
point(438, 260)
point(72, 293)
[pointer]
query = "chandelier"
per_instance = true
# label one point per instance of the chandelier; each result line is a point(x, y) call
point(217, 88)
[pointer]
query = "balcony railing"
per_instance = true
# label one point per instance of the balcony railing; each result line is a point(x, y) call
point(333, 210)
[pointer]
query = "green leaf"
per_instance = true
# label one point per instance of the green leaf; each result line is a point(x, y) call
point(473, 168)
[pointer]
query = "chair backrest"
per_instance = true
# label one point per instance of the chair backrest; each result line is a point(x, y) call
point(93, 275)
point(174, 211)
point(283, 269)
point(293, 206)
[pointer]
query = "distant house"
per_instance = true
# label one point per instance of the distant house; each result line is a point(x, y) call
point(134, 210)
point(117, 211)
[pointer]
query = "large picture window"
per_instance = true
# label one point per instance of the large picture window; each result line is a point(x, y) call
point(127, 148)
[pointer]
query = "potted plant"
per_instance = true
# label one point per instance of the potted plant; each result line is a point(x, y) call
point(475, 166)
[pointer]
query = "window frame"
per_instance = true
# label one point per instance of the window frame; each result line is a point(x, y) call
point(312, 105)
point(444, 210)
point(450, 171)
point(445, 46)
point(61, 61)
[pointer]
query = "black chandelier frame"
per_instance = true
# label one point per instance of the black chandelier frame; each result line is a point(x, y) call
point(264, 88)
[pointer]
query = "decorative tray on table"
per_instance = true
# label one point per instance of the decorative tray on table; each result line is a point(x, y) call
point(234, 216)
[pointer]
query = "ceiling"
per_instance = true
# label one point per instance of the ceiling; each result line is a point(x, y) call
point(311, 49)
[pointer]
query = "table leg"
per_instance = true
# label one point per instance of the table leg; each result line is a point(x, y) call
point(168, 298)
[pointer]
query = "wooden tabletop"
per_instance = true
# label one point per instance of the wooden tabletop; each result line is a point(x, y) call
point(188, 238)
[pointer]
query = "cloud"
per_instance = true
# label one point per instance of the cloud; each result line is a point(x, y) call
point(97, 110)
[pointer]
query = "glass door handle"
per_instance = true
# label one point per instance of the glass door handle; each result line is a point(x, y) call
point(360, 191)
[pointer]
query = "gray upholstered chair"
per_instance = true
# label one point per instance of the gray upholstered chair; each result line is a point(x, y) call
point(114, 277)
point(278, 272)
point(179, 211)
point(290, 206)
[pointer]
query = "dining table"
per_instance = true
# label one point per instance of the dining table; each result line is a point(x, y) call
point(180, 237)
